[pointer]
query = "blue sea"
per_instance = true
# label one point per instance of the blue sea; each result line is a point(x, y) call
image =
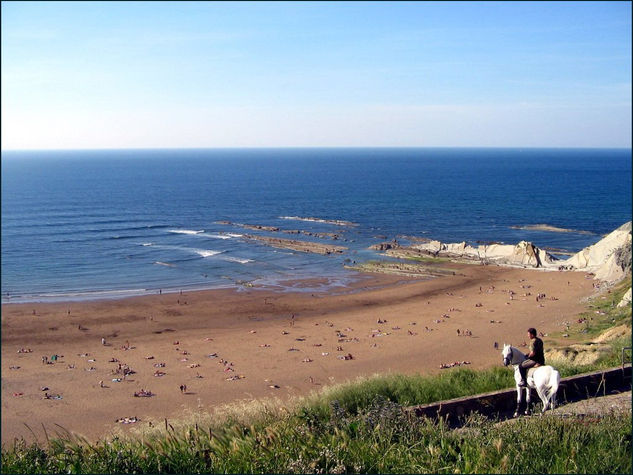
point(102, 224)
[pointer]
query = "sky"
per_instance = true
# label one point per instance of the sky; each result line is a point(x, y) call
point(94, 75)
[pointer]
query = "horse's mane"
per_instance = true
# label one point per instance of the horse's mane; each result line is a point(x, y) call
point(514, 350)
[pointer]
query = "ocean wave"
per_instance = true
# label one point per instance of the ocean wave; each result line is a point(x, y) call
point(185, 231)
point(549, 228)
point(238, 260)
point(216, 236)
point(89, 228)
point(160, 263)
point(200, 252)
point(135, 236)
point(93, 239)
point(138, 228)
point(336, 222)
point(93, 293)
point(206, 252)
point(234, 235)
point(141, 227)
point(147, 244)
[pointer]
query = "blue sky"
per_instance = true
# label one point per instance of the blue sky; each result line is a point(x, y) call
point(286, 74)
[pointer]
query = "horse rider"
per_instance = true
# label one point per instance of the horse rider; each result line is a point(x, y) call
point(535, 357)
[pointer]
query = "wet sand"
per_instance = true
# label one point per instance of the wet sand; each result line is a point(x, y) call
point(260, 349)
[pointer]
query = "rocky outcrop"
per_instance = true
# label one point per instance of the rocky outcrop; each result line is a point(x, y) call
point(254, 227)
point(405, 269)
point(626, 299)
point(335, 222)
point(295, 245)
point(523, 254)
point(385, 246)
point(609, 259)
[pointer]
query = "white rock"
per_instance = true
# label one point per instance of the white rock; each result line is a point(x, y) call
point(626, 300)
point(600, 258)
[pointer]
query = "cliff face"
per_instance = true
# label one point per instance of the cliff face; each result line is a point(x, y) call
point(522, 254)
point(609, 259)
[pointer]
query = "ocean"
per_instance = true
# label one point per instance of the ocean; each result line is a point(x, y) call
point(103, 224)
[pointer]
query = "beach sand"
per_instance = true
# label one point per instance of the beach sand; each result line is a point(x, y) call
point(252, 330)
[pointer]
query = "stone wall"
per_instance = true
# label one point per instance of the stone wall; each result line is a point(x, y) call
point(502, 403)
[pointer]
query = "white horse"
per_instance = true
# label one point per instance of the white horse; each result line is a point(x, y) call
point(544, 379)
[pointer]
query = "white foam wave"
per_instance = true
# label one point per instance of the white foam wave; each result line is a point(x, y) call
point(96, 293)
point(217, 236)
point(234, 235)
point(336, 222)
point(200, 252)
point(206, 252)
point(185, 231)
point(147, 244)
point(238, 260)
point(164, 264)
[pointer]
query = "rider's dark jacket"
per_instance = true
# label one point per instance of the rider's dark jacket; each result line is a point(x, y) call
point(536, 346)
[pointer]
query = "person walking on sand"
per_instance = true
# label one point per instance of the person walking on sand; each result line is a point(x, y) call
point(535, 357)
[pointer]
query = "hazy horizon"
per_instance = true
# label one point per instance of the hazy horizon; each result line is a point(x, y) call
point(360, 147)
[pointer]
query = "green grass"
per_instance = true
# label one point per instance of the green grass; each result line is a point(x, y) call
point(427, 259)
point(603, 313)
point(358, 427)
point(409, 390)
point(378, 439)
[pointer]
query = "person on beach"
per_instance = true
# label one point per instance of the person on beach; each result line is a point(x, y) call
point(535, 357)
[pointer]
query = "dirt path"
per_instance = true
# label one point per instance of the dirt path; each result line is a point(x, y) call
point(597, 406)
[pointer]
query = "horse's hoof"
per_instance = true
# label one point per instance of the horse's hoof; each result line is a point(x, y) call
point(516, 414)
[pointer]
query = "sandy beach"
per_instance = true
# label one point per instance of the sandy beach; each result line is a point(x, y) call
point(227, 345)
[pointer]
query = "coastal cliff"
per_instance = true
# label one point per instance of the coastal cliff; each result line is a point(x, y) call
point(609, 259)
point(523, 254)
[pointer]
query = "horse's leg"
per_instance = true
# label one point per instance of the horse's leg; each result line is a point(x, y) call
point(519, 400)
point(552, 399)
point(549, 398)
point(544, 399)
point(528, 400)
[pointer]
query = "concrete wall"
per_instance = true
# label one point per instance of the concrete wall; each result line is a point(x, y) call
point(503, 403)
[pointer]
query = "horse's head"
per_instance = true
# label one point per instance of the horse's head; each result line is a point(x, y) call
point(507, 354)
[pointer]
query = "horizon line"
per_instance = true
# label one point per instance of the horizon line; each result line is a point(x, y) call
point(304, 147)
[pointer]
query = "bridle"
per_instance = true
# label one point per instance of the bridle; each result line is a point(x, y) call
point(508, 359)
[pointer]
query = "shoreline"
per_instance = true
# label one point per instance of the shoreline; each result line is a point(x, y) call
point(325, 284)
point(387, 323)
